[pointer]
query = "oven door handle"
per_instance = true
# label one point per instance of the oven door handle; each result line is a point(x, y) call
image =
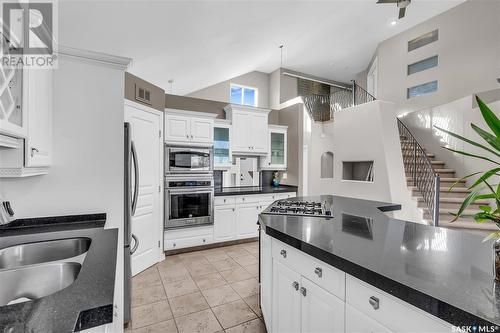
point(198, 191)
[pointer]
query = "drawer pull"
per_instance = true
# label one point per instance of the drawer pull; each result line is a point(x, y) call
point(303, 291)
point(283, 253)
point(318, 271)
point(295, 285)
point(374, 302)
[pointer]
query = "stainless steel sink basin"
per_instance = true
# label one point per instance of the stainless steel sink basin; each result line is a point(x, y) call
point(32, 282)
point(40, 252)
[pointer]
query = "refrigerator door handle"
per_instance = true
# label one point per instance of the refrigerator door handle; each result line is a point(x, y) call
point(136, 245)
point(136, 176)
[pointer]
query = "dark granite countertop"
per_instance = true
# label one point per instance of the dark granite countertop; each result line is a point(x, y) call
point(88, 301)
point(447, 273)
point(245, 190)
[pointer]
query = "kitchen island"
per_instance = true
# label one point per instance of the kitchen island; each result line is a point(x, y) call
point(362, 271)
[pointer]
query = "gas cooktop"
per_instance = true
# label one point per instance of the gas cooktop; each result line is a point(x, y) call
point(304, 208)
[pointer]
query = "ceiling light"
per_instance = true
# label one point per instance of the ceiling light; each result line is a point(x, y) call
point(393, 23)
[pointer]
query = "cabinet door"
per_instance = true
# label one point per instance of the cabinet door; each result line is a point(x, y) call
point(222, 147)
point(202, 130)
point(321, 311)
point(358, 322)
point(242, 132)
point(259, 133)
point(224, 228)
point(246, 220)
point(37, 89)
point(266, 277)
point(286, 299)
point(177, 128)
point(277, 149)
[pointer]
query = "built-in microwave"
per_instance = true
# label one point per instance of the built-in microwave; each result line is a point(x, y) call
point(183, 160)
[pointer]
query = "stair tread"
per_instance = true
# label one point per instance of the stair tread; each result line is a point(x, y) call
point(452, 199)
point(447, 189)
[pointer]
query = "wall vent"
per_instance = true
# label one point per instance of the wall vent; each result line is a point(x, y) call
point(142, 95)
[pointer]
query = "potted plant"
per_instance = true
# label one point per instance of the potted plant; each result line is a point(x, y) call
point(483, 188)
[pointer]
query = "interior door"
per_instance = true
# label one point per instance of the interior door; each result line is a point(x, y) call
point(286, 299)
point(322, 312)
point(147, 221)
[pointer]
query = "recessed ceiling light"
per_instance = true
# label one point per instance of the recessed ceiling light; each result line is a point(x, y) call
point(393, 22)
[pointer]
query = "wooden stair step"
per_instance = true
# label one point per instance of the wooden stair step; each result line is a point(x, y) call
point(452, 203)
point(444, 192)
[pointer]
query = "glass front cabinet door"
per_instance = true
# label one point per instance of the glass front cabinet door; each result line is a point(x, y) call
point(222, 145)
point(276, 158)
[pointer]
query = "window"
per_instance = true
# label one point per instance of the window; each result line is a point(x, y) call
point(423, 40)
point(422, 89)
point(243, 95)
point(422, 65)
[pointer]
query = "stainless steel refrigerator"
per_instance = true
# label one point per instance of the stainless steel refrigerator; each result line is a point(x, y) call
point(131, 191)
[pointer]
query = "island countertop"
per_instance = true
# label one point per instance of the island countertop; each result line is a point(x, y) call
point(88, 301)
point(444, 272)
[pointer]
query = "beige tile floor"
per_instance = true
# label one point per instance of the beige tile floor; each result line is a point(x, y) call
point(207, 291)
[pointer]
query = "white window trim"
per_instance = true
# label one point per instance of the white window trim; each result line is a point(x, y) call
point(231, 85)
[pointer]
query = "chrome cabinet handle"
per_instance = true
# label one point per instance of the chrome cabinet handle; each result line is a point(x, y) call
point(136, 175)
point(295, 285)
point(374, 302)
point(187, 136)
point(318, 271)
point(33, 150)
point(136, 245)
point(191, 136)
point(233, 209)
point(283, 253)
point(303, 291)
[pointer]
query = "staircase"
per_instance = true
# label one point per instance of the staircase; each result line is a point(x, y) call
point(446, 201)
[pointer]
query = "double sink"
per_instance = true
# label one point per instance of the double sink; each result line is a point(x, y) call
point(34, 270)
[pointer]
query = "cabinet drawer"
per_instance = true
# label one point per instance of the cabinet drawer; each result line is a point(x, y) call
point(243, 199)
point(392, 312)
point(188, 237)
point(324, 275)
point(218, 201)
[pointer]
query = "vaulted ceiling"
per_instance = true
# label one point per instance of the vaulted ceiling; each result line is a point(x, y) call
point(200, 43)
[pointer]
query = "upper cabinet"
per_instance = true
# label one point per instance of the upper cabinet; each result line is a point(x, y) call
point(189, 127)
point(13, 119)
point(222, 144)
point(250, 129)
point(276, 158)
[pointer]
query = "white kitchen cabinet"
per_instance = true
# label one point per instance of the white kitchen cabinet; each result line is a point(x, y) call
point(246, 220)
point(250, 129)
point(13, 116)
point(276, 158)
point(188, 237)
point(224, 223)
point(358, 322)
point(266, 280)
point(320, 311)
point(223, 157)
point(189, 127)
point(286, 299)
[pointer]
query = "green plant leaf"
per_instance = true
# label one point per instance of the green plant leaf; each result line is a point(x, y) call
point(471, 155)
point(489, 117)
point(469, 141)
point(463, 178)
point(484, 177)
point(486, 209)
point(491, 139)
point(467, 201)
point(493, 235)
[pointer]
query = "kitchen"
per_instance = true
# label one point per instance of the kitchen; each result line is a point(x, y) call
point(133, 204)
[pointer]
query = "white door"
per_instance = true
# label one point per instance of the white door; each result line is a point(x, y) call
point(224, 223)
point(286, 299)
point(177, 128)
point(37, 90)
point(260, 133)
point(372, 79)
point(147, 221)
point(246, 220)
point(358, 322)
point(321, 311)
point(202, 130)
point(242, 131)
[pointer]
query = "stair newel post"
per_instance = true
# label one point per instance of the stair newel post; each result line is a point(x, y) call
point(437, 189)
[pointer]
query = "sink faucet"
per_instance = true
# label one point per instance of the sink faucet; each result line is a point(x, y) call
point(6, 212)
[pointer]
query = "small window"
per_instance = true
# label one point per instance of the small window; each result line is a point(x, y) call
point(422, 65)
point(423, 40)
point(422, 89)
point(243, 95)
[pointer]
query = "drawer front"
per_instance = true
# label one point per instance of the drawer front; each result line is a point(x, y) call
point(172, 244)
point(243, 199)
point(392, 313)
point(175, 234)
point(218, 201)
point(324, 275)
point(281, 196)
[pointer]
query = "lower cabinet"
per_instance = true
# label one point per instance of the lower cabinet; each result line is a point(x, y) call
point(247, 216)
point(356, 322)
point(286, 299)
point(224, 223)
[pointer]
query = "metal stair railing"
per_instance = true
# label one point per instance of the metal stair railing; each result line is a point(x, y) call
point(419, 167)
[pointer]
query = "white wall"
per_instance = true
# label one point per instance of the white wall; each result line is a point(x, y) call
point(469, 56)
point(86, 175)
point(220, 91)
